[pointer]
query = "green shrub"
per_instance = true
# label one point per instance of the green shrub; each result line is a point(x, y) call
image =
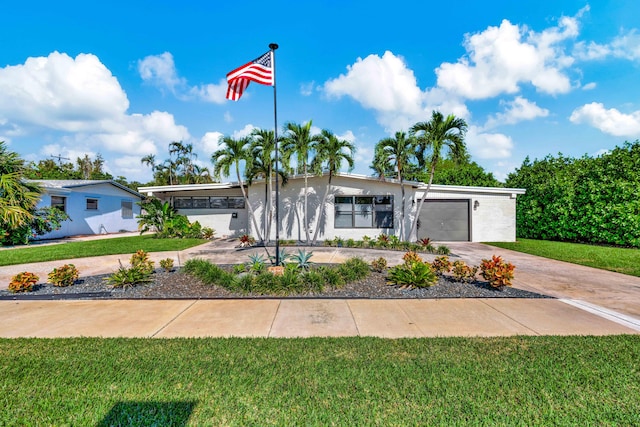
point(411, 256)
point(208, 233)
point(443, 250)
point(379, 265)
point(23, 282)
point(350, 243)
point(412, 275)
point(354, 269)
point(64, 276)
point(497, 272)
point(239, 268)
point(245, 282)
point(331, 277)
point(129, 276)
point(313, 281)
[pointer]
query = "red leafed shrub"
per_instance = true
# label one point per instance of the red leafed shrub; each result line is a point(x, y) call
point(23, 282)
point(497, 272)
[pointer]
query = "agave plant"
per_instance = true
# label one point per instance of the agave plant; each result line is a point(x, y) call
point(302, 259)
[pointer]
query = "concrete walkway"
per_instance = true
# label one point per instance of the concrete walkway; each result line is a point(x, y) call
point(589, 302)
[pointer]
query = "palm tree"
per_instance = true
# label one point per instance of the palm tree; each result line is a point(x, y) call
point(435, 135)
point(397, 153)
point(299, 143)
point(232, 153)
point(331, 152)
point(18, 199)
point(263, 147)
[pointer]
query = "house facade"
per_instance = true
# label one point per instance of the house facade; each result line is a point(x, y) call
point(356, 206)
point(93, 206)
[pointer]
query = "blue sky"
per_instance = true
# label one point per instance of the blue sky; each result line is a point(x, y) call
point(124, 79)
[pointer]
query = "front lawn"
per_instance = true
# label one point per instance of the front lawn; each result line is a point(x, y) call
point(114, 246)
point(338, 381)
point(621, 260)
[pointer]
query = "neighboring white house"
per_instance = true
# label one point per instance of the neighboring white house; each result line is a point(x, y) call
point(356, 206)
point(94, 206)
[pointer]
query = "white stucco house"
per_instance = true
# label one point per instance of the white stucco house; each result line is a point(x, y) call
point(356, 206)
point(94, 206)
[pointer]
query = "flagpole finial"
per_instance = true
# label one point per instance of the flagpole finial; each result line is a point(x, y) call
point(273, 46)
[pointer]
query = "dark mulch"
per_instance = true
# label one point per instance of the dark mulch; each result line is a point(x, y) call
point(176, 285)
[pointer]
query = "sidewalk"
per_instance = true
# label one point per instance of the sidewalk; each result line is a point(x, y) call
point(589, 302)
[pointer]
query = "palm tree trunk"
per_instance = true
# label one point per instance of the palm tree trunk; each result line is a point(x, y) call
point(321, 214)
point(414, 226)
point(265, 214)
point(306, 217)
point(404, 207)
point(246, 201)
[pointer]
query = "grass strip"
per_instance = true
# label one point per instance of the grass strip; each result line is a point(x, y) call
point(113, 246)
point(620, 260)
point(338, 381)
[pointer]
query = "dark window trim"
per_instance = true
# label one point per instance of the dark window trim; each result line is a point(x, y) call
point(94, 199)
point(355, 212)
point(61, 206)
point(230, 202)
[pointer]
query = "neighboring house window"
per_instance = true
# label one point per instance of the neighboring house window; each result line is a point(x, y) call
point(59, 202)
point(92, 204)
point(363, 212)
point(126, 208)
point(202, 202)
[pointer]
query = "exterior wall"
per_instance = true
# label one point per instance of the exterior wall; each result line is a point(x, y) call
point(221, 220)
point(106, 219)
point(493, 217)
point(292, 206)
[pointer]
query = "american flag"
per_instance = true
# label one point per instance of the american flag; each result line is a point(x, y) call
point(260, 70)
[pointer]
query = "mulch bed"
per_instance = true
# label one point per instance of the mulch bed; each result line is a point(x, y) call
point(178, 285)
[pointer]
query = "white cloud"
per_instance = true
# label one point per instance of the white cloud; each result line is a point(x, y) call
point(488, 145)
point(216, 93)
point(347, 136)
point(61, 93)
point(160, 70)
point(210, 142)
point(500, 59)
point(624, 46)
point(387, 86)
point(589, 86)
point(228, 118)
point(518, 110)
point(83, 104)
point(306, 89)
point(245, 131)
point(610, 121)
point(383, 84)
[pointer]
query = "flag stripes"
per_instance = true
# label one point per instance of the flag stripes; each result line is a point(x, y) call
point(260, 70)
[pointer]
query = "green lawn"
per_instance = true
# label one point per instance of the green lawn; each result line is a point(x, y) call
point(114, 246)
point(339, 381)
point(621, 260)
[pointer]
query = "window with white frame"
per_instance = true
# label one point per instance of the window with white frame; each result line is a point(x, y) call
point(363, 212)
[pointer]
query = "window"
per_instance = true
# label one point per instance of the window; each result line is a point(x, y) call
point(363, 212)
point(59, 202)
point(203, 202)
point(92, 204)
point(126, 208)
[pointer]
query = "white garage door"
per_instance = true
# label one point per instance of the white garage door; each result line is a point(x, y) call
point(445, 220)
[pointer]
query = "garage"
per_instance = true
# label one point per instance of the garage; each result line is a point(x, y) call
point(445, 220)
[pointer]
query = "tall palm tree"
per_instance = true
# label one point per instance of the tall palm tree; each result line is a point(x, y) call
point(299, 143)
point(263, 147)
point(435, 135)
point(331, 153)
point(231, 154)
point(397, 152)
